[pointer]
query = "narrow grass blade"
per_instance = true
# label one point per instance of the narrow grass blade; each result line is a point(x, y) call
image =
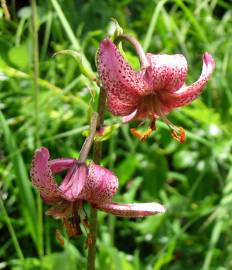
point(70, 33)
point(152, 24)
point(193, 20)
point(11, 230)
point(21, 177)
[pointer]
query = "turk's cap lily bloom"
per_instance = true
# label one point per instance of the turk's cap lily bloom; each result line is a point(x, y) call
point(92, 183)
point(152, 92)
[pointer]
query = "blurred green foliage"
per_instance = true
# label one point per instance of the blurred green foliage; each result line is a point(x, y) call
point(193, 180)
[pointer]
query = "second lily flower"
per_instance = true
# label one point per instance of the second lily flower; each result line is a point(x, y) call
point(92, 183)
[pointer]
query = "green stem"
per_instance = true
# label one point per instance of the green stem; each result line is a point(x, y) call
point(90, 139)
point(153, 21)
point(12, 232)
point(112, 218)
point(46, 35)
point(71, 36)
point(36, 68)
point(66, 25)
point(97, 153)
point(36, 112)
point(14, 73)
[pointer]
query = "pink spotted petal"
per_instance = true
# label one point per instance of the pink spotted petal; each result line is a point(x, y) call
point(42, 177)
point(168, 72)
point(115, 106)
point(101, 185)
point(59, 165)
point(186, 94)
point(121, 82)
point(131, 210)
point(74, 182)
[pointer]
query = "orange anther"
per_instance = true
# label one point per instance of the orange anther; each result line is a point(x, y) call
point(182, 135)
point(89, 241)
point(71, 228)
point(136, 133)
point(141, 136)
point(179, 135)
point(86, 223)
point(59, 237)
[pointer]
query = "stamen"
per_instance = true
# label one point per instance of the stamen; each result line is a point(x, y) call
point(89, 241)
point(179, 135)
point(142, 136)
point(86, 223)
point(71, 228)
point(59, 237)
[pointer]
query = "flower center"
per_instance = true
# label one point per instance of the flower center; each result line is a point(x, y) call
point(151, 107)
point(148, 107)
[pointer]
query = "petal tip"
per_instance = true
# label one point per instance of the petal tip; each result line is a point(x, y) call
point(42, 177)
point(132, 210)
point(106, 42)
point(126, 119)
point(208, 59)
point(42, 151)
point(160, 208)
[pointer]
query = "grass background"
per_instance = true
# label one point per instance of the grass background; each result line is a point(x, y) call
point(193, 180)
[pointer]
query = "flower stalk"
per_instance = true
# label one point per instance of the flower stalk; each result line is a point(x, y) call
point(89, 140)
point(139, 49)
point(35, 44)
point(97, 153)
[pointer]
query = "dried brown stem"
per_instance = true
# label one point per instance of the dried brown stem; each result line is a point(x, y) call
point(5, 10)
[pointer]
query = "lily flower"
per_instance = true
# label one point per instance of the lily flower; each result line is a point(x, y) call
point(91, 183)
point(154, 91)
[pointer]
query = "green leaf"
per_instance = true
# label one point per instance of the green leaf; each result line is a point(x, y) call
point(83, 65)
point(202, 113)
point(106, 133)
point(164, 259)
point(126, 169)
point(19, 56)
point(184, 159)
point(155, 174)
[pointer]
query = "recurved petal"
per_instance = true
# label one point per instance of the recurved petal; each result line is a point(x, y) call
point(168, 72)
point(121, 82)
point(59, 165)
point(186, 94)
point(130, 117)
point(131, 210)
point(101, 185)
point(74, 182)
point(42, 177)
